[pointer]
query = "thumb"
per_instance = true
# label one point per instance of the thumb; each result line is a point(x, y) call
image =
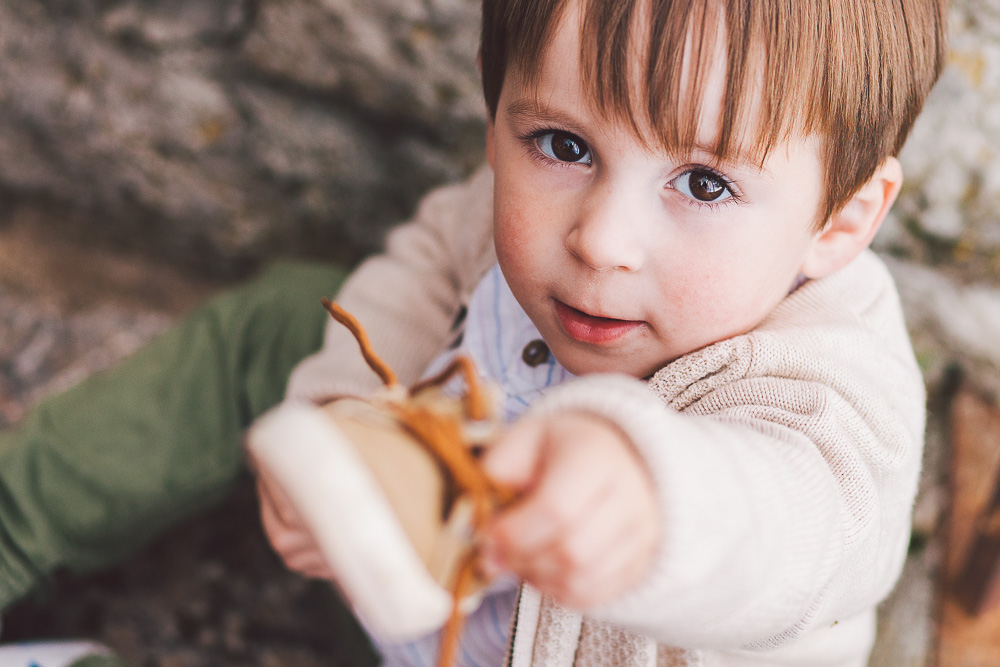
point(514, 457)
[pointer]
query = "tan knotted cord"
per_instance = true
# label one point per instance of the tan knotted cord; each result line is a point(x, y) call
point(442, 436)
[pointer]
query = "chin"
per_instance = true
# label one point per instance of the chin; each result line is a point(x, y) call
point(588, 364)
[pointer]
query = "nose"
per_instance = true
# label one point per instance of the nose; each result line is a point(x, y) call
point(607, 231)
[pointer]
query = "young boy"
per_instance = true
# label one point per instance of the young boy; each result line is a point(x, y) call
point(682, 198)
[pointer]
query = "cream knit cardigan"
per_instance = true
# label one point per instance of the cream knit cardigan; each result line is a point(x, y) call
point(785, 459)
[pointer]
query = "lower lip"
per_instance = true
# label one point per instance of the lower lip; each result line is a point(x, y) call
point(589, 329)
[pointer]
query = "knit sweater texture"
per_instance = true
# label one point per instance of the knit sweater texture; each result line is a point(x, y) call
point(785, 460)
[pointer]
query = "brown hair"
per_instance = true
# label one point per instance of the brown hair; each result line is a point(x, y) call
point(855, 72)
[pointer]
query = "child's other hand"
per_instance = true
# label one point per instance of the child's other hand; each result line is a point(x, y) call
point(285, 529)
point(586, 529)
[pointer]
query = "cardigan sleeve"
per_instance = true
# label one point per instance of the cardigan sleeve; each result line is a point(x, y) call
point(408, 297)
point(785, 470)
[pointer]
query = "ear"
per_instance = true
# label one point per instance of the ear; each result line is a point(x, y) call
point(489, 142)
point(851, 229)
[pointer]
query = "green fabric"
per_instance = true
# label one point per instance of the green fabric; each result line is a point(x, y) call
point(93, 473)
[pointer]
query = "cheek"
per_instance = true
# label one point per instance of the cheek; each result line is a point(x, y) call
point(709, 294)
point(526, 222)
point(512, 237)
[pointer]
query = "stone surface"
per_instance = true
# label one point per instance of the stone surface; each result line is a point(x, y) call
point(951, 323)
point(220, 131)
point(946, 214)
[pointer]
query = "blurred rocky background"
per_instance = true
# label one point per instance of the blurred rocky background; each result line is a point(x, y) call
point(154, 151)
point(219, 132)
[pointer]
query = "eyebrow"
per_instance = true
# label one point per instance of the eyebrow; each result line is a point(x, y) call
point(528, 110)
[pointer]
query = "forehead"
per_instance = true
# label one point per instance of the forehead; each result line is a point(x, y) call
point(676, 74)
point(561, 80)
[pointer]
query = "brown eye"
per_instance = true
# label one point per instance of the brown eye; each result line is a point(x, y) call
point(706, 187)
point(564, 147)
point(703, 186)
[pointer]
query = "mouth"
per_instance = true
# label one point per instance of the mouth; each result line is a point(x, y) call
point(592, 329)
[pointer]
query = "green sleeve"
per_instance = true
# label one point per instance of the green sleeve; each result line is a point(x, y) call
point(93, 473)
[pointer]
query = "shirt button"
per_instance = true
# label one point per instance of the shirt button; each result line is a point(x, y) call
point(535, 353)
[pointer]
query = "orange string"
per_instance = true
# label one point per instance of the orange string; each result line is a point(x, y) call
point(453, 628)
point(475, 398)
point(352, 324)
point(442, 436)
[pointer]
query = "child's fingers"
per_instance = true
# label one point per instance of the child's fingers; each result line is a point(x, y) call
point(568, 548)
point(286, 532)
point(513, 458)
point(551, 507)
point(525, 539)
point(294, 545)
point(310, 563)
point(586, 528)
point(570, 566)
point(616, 572)
point(275, 508)
point(610, 564)
point(615, 550)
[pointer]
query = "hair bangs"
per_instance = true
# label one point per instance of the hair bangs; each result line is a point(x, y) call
point(513, 41)
point(854, 72)
point(646, 62)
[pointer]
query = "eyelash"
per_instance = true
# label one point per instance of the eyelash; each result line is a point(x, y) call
point(530, 141)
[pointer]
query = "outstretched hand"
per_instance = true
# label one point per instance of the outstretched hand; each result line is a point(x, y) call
point(586, 528)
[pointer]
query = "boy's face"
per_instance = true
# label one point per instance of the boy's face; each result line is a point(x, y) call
point(626, 259)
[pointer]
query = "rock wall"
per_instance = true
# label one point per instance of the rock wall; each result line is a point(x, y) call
point(947, 214)
point(945, 228)
point(221, 130)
